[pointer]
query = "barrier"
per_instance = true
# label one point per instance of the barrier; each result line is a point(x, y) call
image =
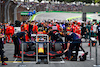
point(22, 64)
point(37, 60)
point(96, 57)
point(90, 58)
point(41, 42)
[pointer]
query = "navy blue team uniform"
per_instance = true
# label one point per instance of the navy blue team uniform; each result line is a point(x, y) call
point(76, 40)
point(2, 52)
point(16, 39)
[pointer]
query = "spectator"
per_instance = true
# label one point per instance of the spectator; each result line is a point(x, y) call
point(94, 29)
point(88, 29)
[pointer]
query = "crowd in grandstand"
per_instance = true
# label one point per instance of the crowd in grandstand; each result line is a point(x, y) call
point(65, 7)
point(60, 7)
point(57, 7)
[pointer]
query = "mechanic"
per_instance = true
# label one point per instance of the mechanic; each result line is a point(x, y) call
point(76, 40)
point(35, 28)
point(16, 39)
point(1, 50)
point(7, 32)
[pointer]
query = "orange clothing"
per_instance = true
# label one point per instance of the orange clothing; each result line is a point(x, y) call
point(26, 27)
point(35, 29)
point(58, 27)
point(7, 30)
point(91, 28)
point(78, 29)
point(27, 37)
point(8, 38)
point(74, 28)
point(50, 25)
point(40, 33)
point(22, 28)
point(11, 29)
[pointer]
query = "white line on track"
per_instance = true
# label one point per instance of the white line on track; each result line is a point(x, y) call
point(23, 62)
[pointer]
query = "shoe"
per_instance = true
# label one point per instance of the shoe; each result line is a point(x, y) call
point(11, 42)
point(19, 57)
point(4, 42)
point(88, 44)
point(4, 63)
point(66, 58)
point(93, 44)
point(8, 42)
point(51, 57)
point(15, 56)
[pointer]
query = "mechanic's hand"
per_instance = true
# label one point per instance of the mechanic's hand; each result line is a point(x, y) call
point(87, 31)
point(53, 42)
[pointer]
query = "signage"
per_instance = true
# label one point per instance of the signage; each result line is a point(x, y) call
point(28, 13)
point(24, 13)
point(34, 11)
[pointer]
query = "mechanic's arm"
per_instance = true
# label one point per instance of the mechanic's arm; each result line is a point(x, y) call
point(24, 39)
point(68, 45)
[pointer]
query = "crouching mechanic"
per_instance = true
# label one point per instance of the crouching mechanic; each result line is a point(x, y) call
point(16, 39)
point(76, 40)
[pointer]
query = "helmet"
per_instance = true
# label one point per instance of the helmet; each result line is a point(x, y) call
point(69, 29)
point(78, 23)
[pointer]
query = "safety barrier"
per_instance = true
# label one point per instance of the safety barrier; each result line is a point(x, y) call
point(96, 57)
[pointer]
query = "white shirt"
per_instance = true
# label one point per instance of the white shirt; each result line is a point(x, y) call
point(94, 28)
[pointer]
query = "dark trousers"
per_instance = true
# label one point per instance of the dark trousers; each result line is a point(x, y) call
point(2, 55)
point(17, 46)
point(73, 46)
point(99, 38)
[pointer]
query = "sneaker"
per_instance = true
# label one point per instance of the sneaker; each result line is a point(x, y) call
point(88, 44)
point(8, 42)
point(66, 58)
point(15, 56)
point(93, 44)
point(4, 63)
point(19, 57)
